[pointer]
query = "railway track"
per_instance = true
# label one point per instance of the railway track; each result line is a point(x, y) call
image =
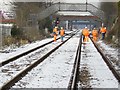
point(23, 54)
point(75, 73)
point(109, 64)
point(73, 84)
point(29, 51)
point(21, 74)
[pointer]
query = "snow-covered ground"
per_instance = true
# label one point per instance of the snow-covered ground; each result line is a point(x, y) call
point(11, 52)
point(14, 52)
point(12, 69)
point(94, 73)
point(112, 53)
point(55, 71)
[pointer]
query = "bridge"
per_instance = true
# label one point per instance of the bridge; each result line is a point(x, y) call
point(76, 7)
point(96, 15)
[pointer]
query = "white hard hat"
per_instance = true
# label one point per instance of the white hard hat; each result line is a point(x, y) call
point(61, 27)
point(85, 27)
point(56, 27)
point(102, 24)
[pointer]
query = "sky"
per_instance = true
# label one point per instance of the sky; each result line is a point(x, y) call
point(81, 1)
point(90, 1)
point(5, 5)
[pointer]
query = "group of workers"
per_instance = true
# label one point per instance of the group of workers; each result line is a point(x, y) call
point(95, 33)
point(61, 32)
point(85, 33)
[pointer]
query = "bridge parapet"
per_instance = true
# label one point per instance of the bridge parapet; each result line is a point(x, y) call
point(96, 11)
point(77, 7)
point(48, 11)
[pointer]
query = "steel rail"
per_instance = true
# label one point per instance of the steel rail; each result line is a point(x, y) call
point(73, 79)
point(72, 83)
point(107, 61)
point(24, 53)
point(18, 77)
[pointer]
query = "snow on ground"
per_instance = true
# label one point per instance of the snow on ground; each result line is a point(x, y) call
point(12, 69)
point(111, 53)
point(94, 73)
point(27, 47)
point(55, 71)
point(10, 52)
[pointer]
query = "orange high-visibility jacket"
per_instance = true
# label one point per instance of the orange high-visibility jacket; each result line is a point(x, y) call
point(103, 30)
point(62, 32)
point(95, 33)
point(85, 32)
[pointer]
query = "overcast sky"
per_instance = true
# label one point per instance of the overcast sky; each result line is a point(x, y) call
point(83, 1)
point(4, 3)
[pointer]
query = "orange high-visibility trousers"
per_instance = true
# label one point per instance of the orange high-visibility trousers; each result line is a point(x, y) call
point(86, 39)
point(94, 38)
point(86, 33)
point(55, 37)
point(95, 35)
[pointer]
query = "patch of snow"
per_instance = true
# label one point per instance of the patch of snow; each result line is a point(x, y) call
point(17, 51)
point(111, 53)
point(13, 68)
point(55, 71)
point(97, 74)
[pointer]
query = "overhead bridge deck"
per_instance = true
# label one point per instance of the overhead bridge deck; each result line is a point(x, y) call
point(76, 7)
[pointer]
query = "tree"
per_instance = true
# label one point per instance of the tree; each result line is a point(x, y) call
point(26, 18)
point(110, 9)
point(119, 8)
point(16, 32)
point(24, 10)
point(119, 22)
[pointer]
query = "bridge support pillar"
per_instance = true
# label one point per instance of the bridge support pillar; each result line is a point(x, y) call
point(67, 25)
point(70, 26)
point(1, 38)
point(90, 26)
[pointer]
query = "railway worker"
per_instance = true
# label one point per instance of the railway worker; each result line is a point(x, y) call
point(103, 31)
point(85, 33)
point(62, 33)
point(95, 34)
point(55, 33)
